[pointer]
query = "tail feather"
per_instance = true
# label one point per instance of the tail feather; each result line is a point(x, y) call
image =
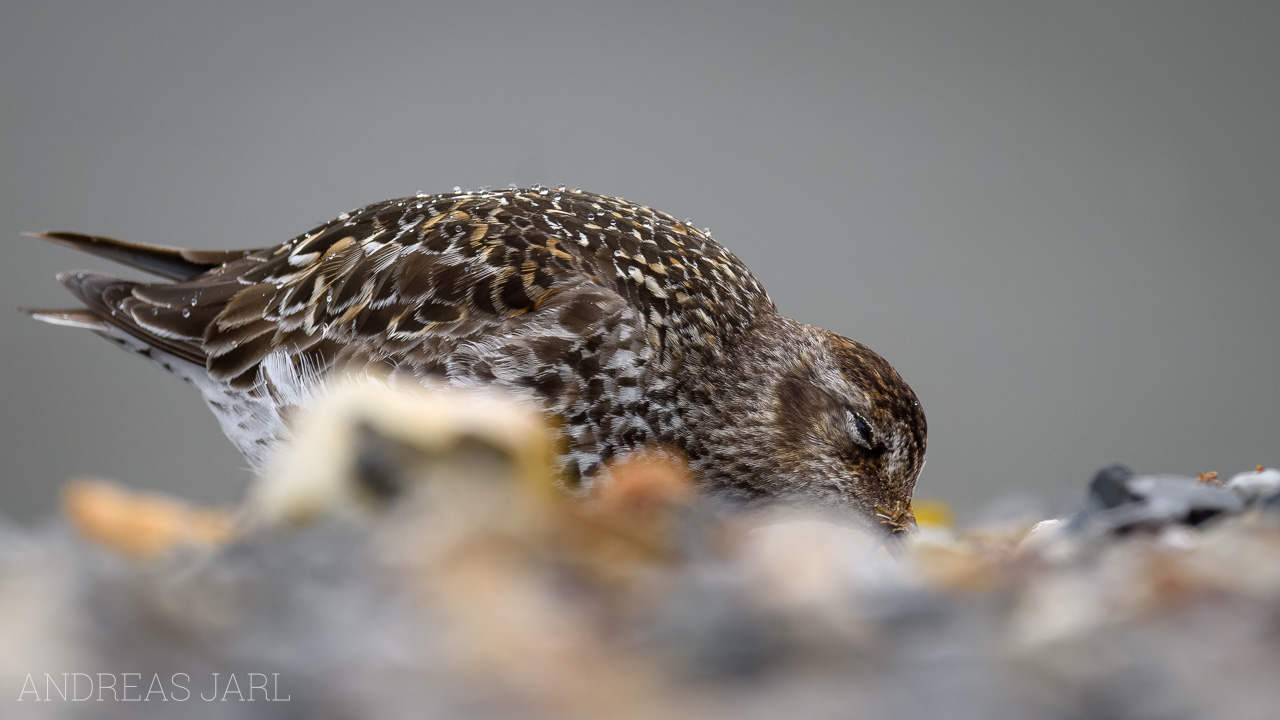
point(112, 306)
point(166, 322)
point(111, 309)
point(169, 262)
point(77, 318)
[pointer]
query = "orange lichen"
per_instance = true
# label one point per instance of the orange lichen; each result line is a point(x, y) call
point(140, 525)
point(1210, 478)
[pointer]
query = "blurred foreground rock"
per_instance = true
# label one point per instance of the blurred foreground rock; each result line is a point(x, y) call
point(395, 567)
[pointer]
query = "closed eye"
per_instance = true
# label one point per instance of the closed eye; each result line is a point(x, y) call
point(858, 428)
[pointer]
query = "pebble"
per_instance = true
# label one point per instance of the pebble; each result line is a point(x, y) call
point(1043, 535)
point(1259, 486)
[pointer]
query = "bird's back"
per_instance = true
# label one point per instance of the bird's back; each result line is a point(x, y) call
point(591, 303)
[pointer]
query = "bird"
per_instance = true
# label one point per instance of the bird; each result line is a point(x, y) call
point(629, 328)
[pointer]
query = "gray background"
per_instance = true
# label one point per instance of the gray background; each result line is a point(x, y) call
point(1058, 220)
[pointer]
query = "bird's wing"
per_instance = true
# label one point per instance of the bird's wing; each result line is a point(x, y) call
point(384, 284)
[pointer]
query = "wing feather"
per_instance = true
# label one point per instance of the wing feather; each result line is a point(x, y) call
point(409, 282)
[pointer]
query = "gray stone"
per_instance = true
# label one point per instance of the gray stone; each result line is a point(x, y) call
point(1154, 501)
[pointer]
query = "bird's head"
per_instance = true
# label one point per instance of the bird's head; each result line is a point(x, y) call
point(848, 431)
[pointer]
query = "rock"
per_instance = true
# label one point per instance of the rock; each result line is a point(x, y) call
point(1109, 487)
point(1043, 535)
point(1185, 499)
point(1120, 501)
point(368, 445)
point(1258, 486)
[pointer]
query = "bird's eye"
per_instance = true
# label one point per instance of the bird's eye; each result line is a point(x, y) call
point(858, 428)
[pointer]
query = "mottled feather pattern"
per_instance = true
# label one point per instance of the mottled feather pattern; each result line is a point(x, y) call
point(435, 285)
point(627, 325)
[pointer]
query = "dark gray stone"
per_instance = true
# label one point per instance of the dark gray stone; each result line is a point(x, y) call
point(1109, 487)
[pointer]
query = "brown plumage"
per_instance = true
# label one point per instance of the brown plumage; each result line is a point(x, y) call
point(630, 327)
